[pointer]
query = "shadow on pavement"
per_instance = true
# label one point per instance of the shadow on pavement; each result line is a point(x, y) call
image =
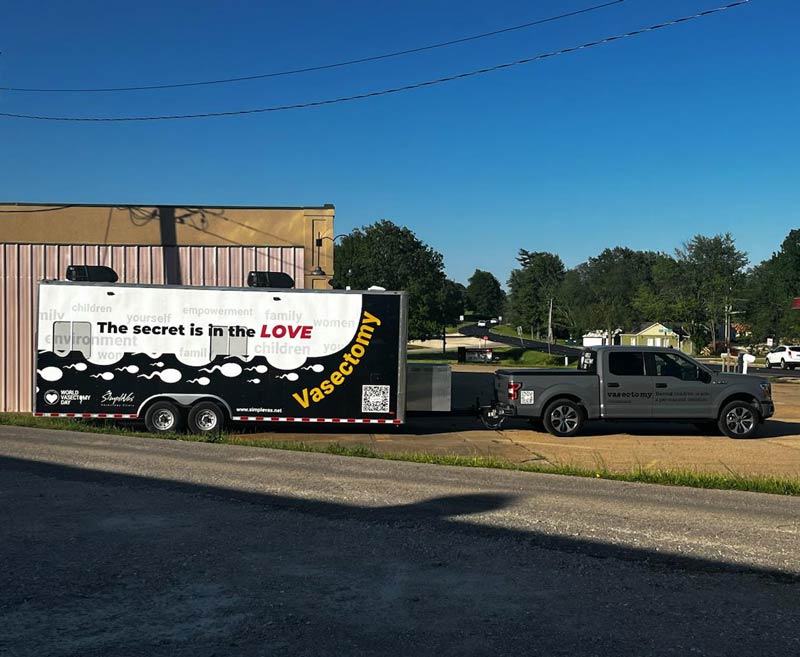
point(100, 563)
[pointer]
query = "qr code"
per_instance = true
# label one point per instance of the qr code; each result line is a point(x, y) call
point(526, 397)
point(375, 399)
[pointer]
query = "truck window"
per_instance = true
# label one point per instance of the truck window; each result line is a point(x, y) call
point(626, 363)
point(675, 366)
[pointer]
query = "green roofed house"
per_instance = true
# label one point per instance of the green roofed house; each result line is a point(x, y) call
point(654, 334)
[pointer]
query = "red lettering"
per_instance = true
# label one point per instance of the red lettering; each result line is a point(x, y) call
point(281, 330)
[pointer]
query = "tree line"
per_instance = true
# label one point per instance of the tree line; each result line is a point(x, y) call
point(700, 289)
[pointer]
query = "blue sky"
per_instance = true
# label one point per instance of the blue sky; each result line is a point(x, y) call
point(641, 143)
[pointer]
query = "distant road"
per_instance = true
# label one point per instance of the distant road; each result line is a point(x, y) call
point(535, 345)
point(131, 546)
point(575, 352)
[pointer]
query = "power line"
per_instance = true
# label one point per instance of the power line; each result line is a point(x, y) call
point(383, 92)
point(60, 207)
point(323, 67)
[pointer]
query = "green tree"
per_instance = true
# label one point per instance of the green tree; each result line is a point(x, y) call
point(532, 286)
point(485, 297)
point(713, 270)
point(612, 280)
point(393, 257)
point(770, 288)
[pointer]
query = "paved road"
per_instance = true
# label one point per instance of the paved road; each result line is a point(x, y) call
point(133, 546)
point(535, 345)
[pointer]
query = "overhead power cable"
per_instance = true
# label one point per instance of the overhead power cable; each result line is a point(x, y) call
point(351, 62)
point(382, 92)
point(60, 207)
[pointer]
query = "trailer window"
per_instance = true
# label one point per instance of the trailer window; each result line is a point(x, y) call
point(626, 363)
point(62, 337)
point(72, 336)
point(222, 344)
point(82, 338)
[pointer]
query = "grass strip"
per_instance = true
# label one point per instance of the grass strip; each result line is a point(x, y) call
point(665, 477)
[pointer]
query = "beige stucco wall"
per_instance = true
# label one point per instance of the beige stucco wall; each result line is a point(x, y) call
point(142, 225)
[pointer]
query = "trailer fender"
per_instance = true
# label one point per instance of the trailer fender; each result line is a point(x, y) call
point(185, 400)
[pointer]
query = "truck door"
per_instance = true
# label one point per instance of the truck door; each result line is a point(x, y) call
point(680, 390)
point(626, 389)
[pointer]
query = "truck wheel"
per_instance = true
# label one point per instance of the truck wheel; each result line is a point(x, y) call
point(206, 418)
point(163, 417)
point(563, 418)
point(739, 420)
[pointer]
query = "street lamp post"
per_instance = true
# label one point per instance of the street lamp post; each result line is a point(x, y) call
point(318, 270)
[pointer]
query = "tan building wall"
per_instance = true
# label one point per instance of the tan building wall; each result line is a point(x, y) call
point(177, 226)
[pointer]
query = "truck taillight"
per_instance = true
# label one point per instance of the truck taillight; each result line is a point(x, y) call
point(513, 390)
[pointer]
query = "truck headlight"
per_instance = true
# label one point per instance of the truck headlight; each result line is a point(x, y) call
point(767, 388)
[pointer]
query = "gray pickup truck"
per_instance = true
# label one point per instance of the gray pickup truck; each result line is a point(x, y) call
point(632, 383)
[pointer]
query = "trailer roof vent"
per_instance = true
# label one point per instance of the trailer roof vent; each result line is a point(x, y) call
point(269, 279)
point(91, 274)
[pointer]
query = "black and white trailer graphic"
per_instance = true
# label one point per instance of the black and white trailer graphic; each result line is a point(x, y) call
point(205, 355)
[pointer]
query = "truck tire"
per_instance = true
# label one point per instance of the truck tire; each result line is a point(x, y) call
point(163, 417)
point(739, 419)
point(563, 418)
point(206, 419)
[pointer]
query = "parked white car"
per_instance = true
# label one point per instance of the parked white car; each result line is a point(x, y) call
point(482, 323)
point(784, 356)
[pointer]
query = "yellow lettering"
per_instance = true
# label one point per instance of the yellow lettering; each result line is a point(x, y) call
point(303, 401)
point(316, 395)
point(337, 379)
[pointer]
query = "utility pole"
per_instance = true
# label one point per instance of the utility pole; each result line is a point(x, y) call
point(550, 326)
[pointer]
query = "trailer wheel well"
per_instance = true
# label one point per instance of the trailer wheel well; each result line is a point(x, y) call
point(185, 402)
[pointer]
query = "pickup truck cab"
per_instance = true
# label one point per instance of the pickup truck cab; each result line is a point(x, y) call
point(632, 383)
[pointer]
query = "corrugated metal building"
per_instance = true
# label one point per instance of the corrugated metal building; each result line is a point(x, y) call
point(219, 248)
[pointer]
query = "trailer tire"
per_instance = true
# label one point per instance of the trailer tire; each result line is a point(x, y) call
point(563, 418)
point(206, 419)
point(163, 417)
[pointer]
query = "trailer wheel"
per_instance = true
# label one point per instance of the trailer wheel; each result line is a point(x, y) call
point(563, 418)
point(163, 417)
point(206, 418)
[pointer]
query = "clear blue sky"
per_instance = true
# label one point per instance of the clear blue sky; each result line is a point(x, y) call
point(641, 143)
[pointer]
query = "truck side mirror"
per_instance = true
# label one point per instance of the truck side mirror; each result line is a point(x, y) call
point(703, 375)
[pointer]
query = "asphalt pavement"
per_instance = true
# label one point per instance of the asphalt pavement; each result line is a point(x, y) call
point(133, 546)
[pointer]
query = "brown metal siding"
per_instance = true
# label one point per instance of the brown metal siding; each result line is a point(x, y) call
point(22, 265)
